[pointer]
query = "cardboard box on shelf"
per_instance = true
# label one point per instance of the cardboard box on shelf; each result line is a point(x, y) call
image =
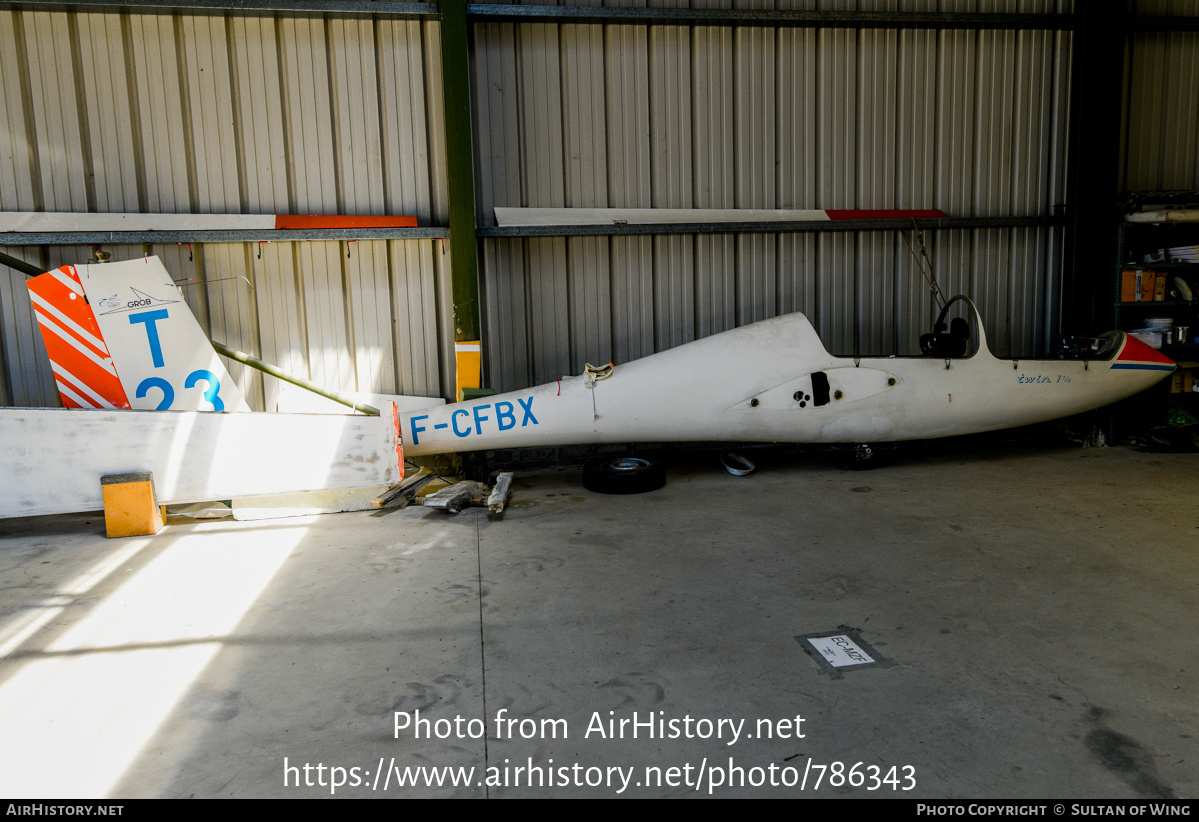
point(1182, 381)
point(1129, 286)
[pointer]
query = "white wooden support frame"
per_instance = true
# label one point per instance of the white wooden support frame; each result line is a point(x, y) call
point(54, 457)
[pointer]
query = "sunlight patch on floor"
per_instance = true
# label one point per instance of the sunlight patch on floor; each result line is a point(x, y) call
point(76, 713)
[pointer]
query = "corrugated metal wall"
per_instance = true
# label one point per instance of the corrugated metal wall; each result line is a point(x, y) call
point(970, 122)
point(210, 113)
point(228, 114)
point(1163, 104)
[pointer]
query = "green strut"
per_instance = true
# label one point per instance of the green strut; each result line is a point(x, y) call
point(460, 171)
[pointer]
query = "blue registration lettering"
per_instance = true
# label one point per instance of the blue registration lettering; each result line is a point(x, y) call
point(480, 419)
point(528, 408)
point(504, 415)
point(417, 429)
point(454, 421)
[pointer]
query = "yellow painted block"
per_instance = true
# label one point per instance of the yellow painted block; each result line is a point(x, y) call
point(130, 507)
point(468, 358)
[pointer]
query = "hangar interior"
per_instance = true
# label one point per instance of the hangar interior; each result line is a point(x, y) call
point(1029, 603)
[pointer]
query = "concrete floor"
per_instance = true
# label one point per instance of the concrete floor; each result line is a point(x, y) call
point(1036, 605)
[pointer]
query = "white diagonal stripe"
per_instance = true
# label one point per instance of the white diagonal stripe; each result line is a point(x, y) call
point(81, 385)
point(88, 336)
point(46, 322)
point(69, 282)
point(66, 392)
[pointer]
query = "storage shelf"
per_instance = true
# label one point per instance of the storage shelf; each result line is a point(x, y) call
point(1150, 408)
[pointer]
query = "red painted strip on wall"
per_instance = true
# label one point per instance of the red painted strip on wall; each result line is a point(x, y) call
point(882, 214)
point(343, 221)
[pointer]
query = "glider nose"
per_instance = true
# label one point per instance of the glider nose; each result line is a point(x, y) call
point(1137, 355)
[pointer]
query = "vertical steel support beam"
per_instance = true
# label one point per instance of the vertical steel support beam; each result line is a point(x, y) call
point(460, 172)
point(6, 378)
point(1097, 89)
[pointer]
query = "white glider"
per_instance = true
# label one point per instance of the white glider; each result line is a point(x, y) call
point(773, 381)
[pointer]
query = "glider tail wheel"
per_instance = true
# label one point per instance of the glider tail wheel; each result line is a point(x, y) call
point(624, 475)
point(861, 457)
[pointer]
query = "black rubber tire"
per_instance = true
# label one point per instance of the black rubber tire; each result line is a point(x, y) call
point(624, 475)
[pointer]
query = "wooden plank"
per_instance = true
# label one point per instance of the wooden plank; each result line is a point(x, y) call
point(305, 504)
point(54, 458)
point(405, 492)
